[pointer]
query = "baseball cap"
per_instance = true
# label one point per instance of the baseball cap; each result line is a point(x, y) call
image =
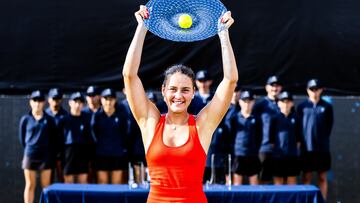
point(55, 93)
point(285, 95)
point(314, 83)
point(151, 95)
point(246, 94)
point(108, 92)
point(273, 80)
point(92, 91)
point(77, 96)
point(202, 75)
point(37, 95)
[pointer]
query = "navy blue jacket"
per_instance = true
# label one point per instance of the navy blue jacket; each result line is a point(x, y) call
point(317, 122)
point(198, 103)
point(110, 133)
point(38, 137)
point(220, 146)
point(229, 116)
point(161, 105)
point(62, 112)
point(265, 109)
point(247, 135)
point(76, 129)
point(285, 134)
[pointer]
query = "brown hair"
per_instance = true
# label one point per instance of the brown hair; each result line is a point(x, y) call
point(179, 68)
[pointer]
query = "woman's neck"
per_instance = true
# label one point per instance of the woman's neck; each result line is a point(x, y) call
point(176, 120)
point(110, 111)
point(37, 114)
point(93, 107)
point(75, 112)
point(286, 113)
point(314, 100)
point(245, 113)
point(203, 92)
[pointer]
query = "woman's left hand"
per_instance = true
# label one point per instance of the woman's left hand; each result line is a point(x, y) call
point(226, 20)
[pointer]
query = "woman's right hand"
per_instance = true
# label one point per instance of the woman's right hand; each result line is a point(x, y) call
point(141, 14)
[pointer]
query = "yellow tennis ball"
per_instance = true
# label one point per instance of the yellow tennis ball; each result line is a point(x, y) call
point(185, 21)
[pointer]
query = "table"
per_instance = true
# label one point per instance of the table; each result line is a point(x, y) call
point(93, 193)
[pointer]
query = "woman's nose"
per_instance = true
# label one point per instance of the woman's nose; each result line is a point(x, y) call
point(178, 94)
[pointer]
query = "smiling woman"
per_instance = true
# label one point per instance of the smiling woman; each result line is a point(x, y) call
point(176, 143)
point(178, 87)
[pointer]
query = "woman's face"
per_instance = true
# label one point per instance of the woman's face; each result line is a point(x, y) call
point(93, 100)
point(273, 89)
point(285, 105)
point(54, 103)
point(108, 103)
point(314, 93)
point(178, 92)
point(75, 107)
point(37, 105)
point(203, 85)
point(246, 105)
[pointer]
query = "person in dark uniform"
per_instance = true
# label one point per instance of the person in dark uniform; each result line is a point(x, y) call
point(38, 135)
point(265, 109)
point(55, 109)
point(92, 100)
point(92, 96)
point(317, 121)
point(109, 126)
point(77, 141)
point(285, 136)
point(203, 94)
point(247, 129)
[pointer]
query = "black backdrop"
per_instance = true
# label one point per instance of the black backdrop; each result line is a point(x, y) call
point(72, 44)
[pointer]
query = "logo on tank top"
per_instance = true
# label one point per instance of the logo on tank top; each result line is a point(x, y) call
point(81, 127)
point(116, 119)
point(253, 121)
point(293, 120)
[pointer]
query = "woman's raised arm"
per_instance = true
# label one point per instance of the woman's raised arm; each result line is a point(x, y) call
point(141, 107)
point(212, 114)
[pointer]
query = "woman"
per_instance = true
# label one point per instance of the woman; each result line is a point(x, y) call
point(38, 135)
point(285, 137)
point(247, 129)
point(77, 141)
point(176, 143)
point(109, 127)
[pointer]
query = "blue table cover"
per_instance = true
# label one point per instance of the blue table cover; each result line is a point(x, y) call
point(94, 193)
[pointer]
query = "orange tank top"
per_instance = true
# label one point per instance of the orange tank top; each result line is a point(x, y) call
point(176, 173)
